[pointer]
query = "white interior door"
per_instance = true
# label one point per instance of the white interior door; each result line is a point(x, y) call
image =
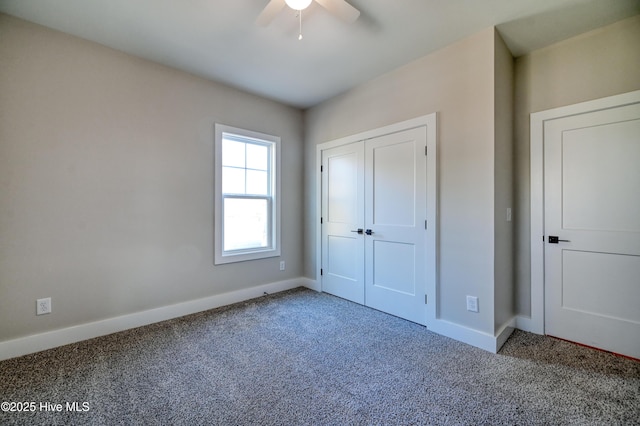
point(592, 202)
point(342, 217)
point(395, 228)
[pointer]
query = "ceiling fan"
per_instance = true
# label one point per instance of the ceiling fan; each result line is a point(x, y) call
point(339, 8)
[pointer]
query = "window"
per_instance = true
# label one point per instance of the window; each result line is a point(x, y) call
point(247, 213)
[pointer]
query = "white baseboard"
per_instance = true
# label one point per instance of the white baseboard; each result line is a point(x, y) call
point(464, 334)
point(472, 337)
point(528, 324)
point(504, 332)
point(51, 339)
point(311, 284)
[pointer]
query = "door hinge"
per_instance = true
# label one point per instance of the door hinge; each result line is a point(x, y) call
point(425, 224)
point(425, 150)
point(320, 220)
point(425, 299)
point(321, 272)
point(321, 169)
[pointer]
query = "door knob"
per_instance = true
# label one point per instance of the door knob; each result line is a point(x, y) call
point(359, 231)
point(554, 240)
point(368, 232)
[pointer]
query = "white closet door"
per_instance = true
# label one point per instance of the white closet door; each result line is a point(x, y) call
point(342, 216)
point(395, 214)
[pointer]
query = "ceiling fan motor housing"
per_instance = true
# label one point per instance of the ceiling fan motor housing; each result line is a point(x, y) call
point(298, 4)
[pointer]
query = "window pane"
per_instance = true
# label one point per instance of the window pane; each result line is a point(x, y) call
point(245, 224)
point(257, 182)
point(233, 153)
point(257, 157)
point(233, 180)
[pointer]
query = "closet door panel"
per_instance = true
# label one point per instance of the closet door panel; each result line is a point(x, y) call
point(395, 213)
point(342, 216)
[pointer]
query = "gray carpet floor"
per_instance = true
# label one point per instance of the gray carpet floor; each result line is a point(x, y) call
point(301, 357)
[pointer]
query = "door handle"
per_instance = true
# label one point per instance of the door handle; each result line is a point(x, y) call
point(359, 231)
point(554, 240)
point(368, 232)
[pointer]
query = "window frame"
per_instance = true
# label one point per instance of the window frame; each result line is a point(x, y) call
point(273, 201)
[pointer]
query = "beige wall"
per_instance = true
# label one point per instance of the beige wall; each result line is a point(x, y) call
point(600, 63)
point(504, 196)
point(106, 169)
point(106, 181)
point(458, 83)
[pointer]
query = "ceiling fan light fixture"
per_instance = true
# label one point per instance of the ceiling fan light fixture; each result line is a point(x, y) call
point(298, 4)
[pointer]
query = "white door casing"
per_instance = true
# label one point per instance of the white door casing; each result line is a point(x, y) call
point(585, 289)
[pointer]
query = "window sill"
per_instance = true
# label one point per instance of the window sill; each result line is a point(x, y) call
point(245, 256)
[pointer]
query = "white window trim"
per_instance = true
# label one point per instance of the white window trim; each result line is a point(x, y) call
point(220, 257)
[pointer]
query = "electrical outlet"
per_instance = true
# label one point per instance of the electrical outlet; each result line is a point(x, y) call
point(43, 306)
point(472, 304)
point(282, 265)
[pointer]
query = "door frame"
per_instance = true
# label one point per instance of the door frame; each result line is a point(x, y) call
point(535, 323)
point(430, 122)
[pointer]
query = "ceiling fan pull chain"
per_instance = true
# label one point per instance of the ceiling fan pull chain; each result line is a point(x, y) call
point(300, 16)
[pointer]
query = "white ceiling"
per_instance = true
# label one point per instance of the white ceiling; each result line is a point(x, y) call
point(218, 40)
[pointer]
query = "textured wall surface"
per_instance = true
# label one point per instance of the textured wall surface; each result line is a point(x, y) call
point(457, 82)
point(106, 182)
point(597, 64)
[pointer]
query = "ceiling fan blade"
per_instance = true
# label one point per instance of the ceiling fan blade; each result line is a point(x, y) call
point(269, 12)
point(340, 9)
